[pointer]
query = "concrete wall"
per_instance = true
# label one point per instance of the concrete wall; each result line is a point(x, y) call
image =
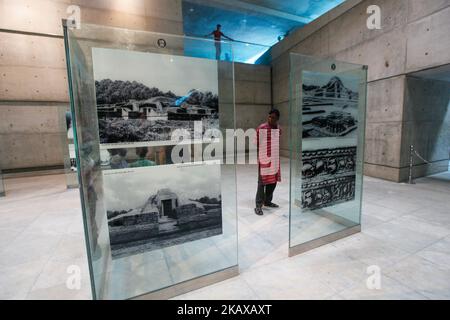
point(414, 36)
point(33, 85)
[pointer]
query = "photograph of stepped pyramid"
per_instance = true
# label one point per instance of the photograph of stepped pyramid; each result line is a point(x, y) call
point(330, 106)
point(159, 207)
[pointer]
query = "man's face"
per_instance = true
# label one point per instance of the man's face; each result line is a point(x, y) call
point(272, 120)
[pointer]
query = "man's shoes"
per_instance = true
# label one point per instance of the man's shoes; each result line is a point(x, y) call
point(259, 211)
point(272, 205)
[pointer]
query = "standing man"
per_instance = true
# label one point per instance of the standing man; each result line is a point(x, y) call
point(218, 34)
point(269, 173)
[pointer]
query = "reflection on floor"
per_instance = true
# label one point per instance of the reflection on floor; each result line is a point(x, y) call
point(406, 232)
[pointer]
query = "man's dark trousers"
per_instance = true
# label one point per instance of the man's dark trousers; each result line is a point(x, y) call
point(264, 195)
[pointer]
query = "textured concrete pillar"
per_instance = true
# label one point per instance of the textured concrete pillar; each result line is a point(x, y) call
point(253, 94)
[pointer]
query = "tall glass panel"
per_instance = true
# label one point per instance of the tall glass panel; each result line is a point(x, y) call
point(328, 101)
point(159, 205)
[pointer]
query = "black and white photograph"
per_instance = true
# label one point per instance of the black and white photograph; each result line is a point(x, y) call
point(154, 208)
point(147, 96)
point(328, 177)
point(330, 105)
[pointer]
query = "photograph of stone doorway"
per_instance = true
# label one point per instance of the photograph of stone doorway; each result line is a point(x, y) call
point(156, 207)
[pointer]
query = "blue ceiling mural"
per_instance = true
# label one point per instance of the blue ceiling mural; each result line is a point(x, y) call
point(255, 25)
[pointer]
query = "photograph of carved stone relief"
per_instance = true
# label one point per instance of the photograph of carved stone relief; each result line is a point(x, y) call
point(146, 96)
point(330, 106)
point(328, 177)
point(154, 208)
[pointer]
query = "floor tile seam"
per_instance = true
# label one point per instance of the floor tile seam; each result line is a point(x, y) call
point(387, 244)
point(407, 286)
point(40, 272)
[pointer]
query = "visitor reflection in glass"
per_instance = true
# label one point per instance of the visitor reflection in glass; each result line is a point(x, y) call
point(142, 159)
point(118, 158)
point(218, 34)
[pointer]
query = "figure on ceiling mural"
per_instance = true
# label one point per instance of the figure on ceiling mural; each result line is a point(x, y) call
point(218, 34)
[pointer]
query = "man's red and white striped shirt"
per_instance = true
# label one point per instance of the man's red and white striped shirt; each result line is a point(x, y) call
point(269, 149)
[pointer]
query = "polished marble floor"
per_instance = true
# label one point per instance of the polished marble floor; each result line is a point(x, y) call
point(406, 234)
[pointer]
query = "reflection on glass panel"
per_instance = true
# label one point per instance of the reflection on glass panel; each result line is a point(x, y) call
point(70, 166)
point(2, 186)
point(328, 101)
point(156, 213)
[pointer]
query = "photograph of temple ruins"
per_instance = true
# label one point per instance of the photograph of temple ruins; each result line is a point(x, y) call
point(330, 106)
point(164, 206)
point(148, 95)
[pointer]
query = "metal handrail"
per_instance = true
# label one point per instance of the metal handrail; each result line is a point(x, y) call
point(413, 153)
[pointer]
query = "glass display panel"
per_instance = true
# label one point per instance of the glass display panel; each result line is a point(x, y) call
point(158, 211)
point(328, 101)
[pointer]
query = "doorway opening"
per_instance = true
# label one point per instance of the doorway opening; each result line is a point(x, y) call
point(427, 121)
